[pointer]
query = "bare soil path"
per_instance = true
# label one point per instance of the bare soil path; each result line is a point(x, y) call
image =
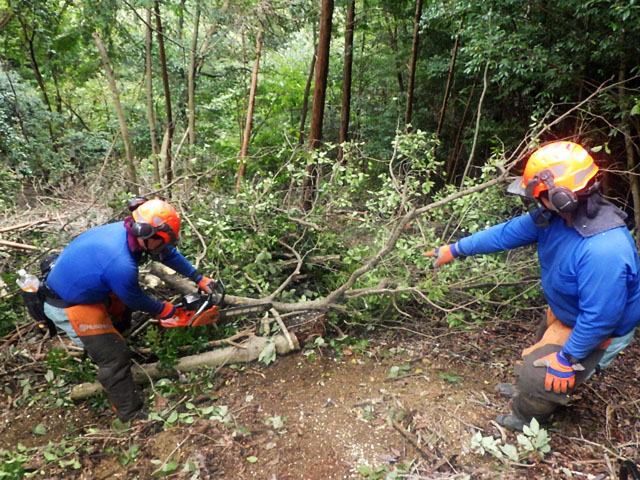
point(394, 406)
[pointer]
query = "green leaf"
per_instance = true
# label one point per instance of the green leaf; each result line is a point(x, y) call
point(173, 417)
point(166, 469)
point(510, 451)
point(252, 459)
point(39, 429)
point(364, 470)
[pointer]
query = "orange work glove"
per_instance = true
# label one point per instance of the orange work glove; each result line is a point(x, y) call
point(167, 311)
point(178, 318)
point(561, 374)
point(443, 254)
point(206, 284)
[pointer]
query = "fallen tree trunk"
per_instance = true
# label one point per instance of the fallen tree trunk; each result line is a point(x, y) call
point(247, 352)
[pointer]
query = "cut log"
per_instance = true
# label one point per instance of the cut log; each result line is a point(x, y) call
point(247, 352)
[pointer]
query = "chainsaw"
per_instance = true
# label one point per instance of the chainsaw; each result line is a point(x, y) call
point(198, 310)
point(206, 309)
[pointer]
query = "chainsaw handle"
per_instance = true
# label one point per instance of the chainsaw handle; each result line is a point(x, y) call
point(218, 292)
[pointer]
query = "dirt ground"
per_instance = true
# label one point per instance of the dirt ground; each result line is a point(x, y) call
point(403, 403)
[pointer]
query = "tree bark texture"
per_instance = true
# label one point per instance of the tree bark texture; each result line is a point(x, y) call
point(345, 111)
point(131, 169)
point(322, 72)
point(412, 62)
point(244, 149)
point(168, 164)
point(319, 93)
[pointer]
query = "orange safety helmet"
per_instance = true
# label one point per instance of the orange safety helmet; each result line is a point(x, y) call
point(156, 218)
point(561, 168)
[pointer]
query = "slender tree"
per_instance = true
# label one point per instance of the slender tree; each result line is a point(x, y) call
point(413, 61)
point(345, 111)
point(28, 37)
point(305, 97)
point(151, 113)
point(131, 169)
point(322, 73)
point(447, 90)
point(244, 150)
point(168, 137)
point(319, 93)
point(191, 87)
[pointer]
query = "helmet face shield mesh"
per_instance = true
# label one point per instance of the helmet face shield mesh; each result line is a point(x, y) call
point(516, 188)
point(539, 213)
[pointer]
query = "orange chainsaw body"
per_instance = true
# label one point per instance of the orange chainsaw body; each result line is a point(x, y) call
point(207, 317)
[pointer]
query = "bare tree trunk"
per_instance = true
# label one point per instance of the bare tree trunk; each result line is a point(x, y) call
point(151, 116)
point(485, 85)
point(412, 62)
point(452, 160)
point(249, 120)
point(447, 90)
point(123, 124)
point(28, 38)
point(345, 111)
point(305, 97)
point(168, 166)
point(191, 87)
point(393, 43)
point(322, 71)
point(319, 93)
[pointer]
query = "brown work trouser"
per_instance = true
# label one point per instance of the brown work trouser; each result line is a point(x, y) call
point(533, 400)
point(108, 350)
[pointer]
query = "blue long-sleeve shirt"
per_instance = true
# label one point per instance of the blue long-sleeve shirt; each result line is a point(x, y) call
point(591, 284)
point(99, 261)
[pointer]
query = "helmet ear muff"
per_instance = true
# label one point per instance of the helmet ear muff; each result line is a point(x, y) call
point(561, 199)
point(140, 229)
point(143, 230)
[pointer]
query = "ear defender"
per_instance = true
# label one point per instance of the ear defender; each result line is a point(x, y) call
point(143, 230)
point(561, 199)
point(140, 229)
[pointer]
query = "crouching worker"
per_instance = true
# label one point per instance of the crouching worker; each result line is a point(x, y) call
point(93, 288)
point(589, 272)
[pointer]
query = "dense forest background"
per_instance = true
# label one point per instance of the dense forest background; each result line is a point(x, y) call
point(341, 137)
point(314, 150)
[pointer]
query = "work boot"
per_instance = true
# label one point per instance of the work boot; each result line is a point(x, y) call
point(508, 390)
point(141, 415)
point(511, 421)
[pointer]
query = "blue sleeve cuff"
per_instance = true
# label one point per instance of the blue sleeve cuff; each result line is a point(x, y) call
point(454, 249)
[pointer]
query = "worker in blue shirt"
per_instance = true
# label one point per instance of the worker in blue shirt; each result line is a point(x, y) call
point(589, 272)
point(93, 287)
